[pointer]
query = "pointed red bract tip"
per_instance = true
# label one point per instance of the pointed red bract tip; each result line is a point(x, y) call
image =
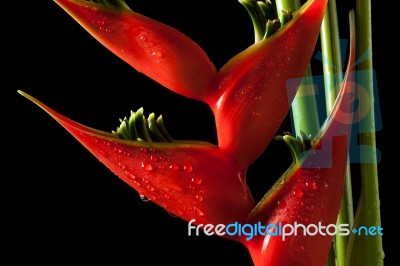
point(253, 97)
point(151, 47)
point(193, 180)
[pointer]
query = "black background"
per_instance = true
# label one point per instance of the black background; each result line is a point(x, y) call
point(66, 207)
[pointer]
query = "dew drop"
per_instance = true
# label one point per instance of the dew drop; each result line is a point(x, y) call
point(142, 38)
point(144, 198)
point(130, 175)
point(147, 166)
point(150, 188)
point(136, 183)
point(198, 211)
point(298, 193)
point(152, 197)
point(167, 196)
point(119, 151)
point(199, 198)
point(157, 54)
point(153, 158)
point(174, 166)
point(313, 185)
point(197, 180)
point(171, 214)
point(188, 168)
point(122, 166)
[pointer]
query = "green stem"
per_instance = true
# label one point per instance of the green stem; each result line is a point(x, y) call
point(366, 250)
point(287, 5)
point(304, 106)
point(332, 67)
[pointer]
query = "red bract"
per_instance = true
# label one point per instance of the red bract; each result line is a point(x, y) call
point(309, 192)
point(252, 98)
point(153, 48)
point(188, 179)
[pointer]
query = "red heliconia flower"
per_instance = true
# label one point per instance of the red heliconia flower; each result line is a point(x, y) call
point(248, 96)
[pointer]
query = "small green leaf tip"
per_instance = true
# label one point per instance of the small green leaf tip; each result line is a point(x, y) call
point(138, 128)
point(265, 18)
point(297, 145)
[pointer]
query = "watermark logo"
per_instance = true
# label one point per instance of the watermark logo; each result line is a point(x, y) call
point(366, 104)
point(280, 230)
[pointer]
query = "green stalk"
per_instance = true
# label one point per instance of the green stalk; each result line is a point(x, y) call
point(332, 68)
point(304, 106)
point(366, 250)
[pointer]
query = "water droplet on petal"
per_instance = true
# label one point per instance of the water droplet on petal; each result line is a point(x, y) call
point(174, 166)
point(147, 166)
point(188, 168)
point(152, 197)
point(313, 185)
point(198, 211)
point(157, 54)
point(171, 214)
point(122, 166)
point(197, 180)
point(130, 175)
point(144, 198)
point(298, 192)
point(199, 198)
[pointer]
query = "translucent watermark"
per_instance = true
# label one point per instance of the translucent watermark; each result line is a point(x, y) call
point(280, 230)
point(365, 104)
